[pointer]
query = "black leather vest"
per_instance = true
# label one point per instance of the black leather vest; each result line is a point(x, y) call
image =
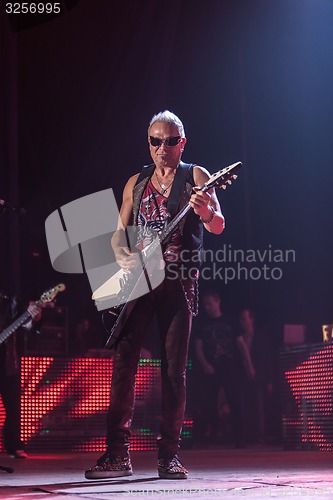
point(191, 227)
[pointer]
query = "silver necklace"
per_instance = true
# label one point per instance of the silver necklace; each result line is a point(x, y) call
point(163, 187)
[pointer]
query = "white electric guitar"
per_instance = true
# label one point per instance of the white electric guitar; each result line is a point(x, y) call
point(123, 288)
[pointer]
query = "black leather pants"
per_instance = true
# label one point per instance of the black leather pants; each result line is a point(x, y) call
point(174, 321)
point(10, 392)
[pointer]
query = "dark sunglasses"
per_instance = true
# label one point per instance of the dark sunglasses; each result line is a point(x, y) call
point(170, 141)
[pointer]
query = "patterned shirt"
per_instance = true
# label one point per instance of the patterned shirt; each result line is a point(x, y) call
point(152, 219)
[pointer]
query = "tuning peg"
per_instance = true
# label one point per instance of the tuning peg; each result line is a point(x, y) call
point(229, 182)
point(234, 176)
point(224, 186)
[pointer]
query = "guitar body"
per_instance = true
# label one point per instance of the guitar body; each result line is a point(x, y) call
point(112, 288)
point(134, 286)
point(124, 286)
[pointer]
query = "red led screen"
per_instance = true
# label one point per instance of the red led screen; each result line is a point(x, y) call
point(308, 397)
point(64, 404)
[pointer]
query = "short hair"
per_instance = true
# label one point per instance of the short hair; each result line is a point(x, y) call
point(168, 117)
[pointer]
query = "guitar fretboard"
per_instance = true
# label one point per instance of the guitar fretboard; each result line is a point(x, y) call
point(15, 325)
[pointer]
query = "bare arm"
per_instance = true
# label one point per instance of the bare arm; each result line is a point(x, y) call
point(125, 258)
point(206, 205)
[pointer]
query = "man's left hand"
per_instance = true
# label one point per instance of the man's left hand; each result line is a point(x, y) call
point(35, 311)
point(200, 202)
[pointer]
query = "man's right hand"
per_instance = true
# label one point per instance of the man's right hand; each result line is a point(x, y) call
point(127, 260)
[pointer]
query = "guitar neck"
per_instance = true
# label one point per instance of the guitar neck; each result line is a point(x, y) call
point(15, 325)
point(150, 249)
point(178, 217)
point(170, 227)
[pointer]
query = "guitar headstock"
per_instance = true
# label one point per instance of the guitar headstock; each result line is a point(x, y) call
point(50, 295)
point(224, 176)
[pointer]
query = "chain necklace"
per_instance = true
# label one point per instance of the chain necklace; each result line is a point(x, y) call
point(163, 187)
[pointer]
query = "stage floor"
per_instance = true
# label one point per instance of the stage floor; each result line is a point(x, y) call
point(213, 473)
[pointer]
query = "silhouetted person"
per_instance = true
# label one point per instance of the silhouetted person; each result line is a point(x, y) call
point(10, 387)
point(223, 356)
point(258, 391)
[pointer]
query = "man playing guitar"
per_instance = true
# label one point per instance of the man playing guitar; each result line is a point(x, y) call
point(150, 200)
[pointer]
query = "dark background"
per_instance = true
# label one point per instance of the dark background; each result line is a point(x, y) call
point(251, 80)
